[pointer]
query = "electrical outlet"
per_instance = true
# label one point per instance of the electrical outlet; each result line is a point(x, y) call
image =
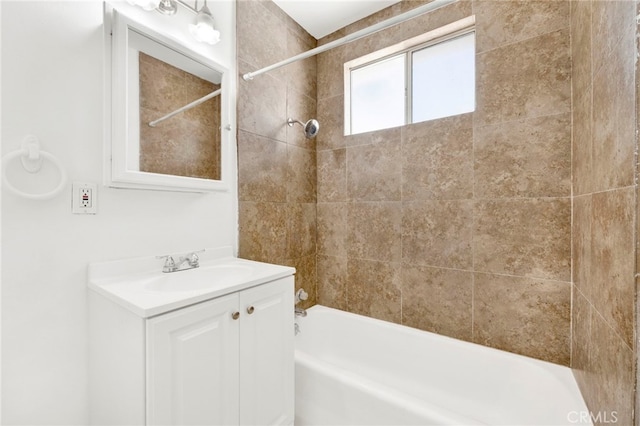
point(83, 198)
point(86, 197)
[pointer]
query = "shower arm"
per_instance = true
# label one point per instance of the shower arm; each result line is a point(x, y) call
point(420, 10)
point(291, 122)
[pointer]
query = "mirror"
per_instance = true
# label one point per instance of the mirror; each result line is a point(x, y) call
point(170, 129)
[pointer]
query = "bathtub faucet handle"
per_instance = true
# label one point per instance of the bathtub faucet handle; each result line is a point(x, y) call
point(301, 295)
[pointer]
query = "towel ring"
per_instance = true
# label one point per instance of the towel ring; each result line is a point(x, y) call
point(32, 158)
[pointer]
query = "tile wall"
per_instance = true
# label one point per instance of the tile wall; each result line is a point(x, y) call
point(604, 204)
point(461, 225)
point(276, 163)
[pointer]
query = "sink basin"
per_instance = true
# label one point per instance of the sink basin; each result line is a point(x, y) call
point(199, 279)
point(139, 285)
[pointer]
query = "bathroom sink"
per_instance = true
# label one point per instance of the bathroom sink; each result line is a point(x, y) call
point(139, 285)
point(203, 278)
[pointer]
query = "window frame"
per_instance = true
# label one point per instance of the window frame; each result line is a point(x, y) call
point(445, 33)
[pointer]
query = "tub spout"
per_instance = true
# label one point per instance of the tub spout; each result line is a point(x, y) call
point(300, 312)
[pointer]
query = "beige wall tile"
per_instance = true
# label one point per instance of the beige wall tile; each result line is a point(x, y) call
point(373, 289)
point(582, 261)
point(526, 237)
point(301, 75)
point(374, 171)
point(373, 231)
point(604, 223)
point(331, 72)
point(331, 118)
point(614, 139)
point(437, 300)
point(581, 46)
point(438, 233)
point(263, 231)
point(263, 114)
point(301, 175)
point(432, 20)
point(261, 35)
point(613, 260)
point(332, 175)
point(524, 158)
point(332, 229)
point(437, 159)
point(371, 138)
point(301, 234)
point(612, 21)
point(332, 281)
point(276, 164)
point(580, 334)
point(261, 172)
point(611, 371)
point(582, 143)
point(523, 315)
point(527, 79)
point(505, 22)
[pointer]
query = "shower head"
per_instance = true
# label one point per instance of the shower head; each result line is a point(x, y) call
point(311, 127)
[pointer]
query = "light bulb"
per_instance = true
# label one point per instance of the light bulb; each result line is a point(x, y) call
point(204, 29)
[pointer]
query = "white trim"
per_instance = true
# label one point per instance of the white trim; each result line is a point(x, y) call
point(123, 103)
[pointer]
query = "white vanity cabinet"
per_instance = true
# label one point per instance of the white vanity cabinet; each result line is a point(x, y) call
point(223, 362)
point(226, 360)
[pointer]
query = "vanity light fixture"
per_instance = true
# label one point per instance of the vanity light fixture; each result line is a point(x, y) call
point(203, 29)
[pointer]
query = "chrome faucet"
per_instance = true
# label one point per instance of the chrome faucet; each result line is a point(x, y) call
point(297, 311)
point(191, 260)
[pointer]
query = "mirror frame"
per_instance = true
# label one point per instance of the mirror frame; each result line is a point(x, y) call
point(117, 147)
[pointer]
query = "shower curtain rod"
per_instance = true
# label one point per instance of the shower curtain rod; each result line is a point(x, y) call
point(354, 36)
point(186, 107)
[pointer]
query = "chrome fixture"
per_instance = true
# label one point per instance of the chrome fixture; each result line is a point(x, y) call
point(311, 127)
point(203, 29)
point(168, 7)
point(189, 261)
point(301, 295)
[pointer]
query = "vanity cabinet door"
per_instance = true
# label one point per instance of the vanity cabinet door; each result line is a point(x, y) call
point(266, 354)
point(193, 365)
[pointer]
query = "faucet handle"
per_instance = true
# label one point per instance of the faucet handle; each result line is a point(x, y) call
point(301, 295)
point(193, 258)
point(169, 263)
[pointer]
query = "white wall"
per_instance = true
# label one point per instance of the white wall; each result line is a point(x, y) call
point(52, 86)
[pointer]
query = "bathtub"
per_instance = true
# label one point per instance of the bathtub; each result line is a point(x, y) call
point(355, 370)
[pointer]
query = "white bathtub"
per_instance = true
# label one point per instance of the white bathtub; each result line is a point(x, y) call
point(354, 370)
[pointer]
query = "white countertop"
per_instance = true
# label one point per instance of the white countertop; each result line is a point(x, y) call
point(130, 282)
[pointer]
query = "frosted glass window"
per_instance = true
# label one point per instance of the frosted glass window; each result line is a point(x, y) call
point(443, 79)
point(378, 95)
